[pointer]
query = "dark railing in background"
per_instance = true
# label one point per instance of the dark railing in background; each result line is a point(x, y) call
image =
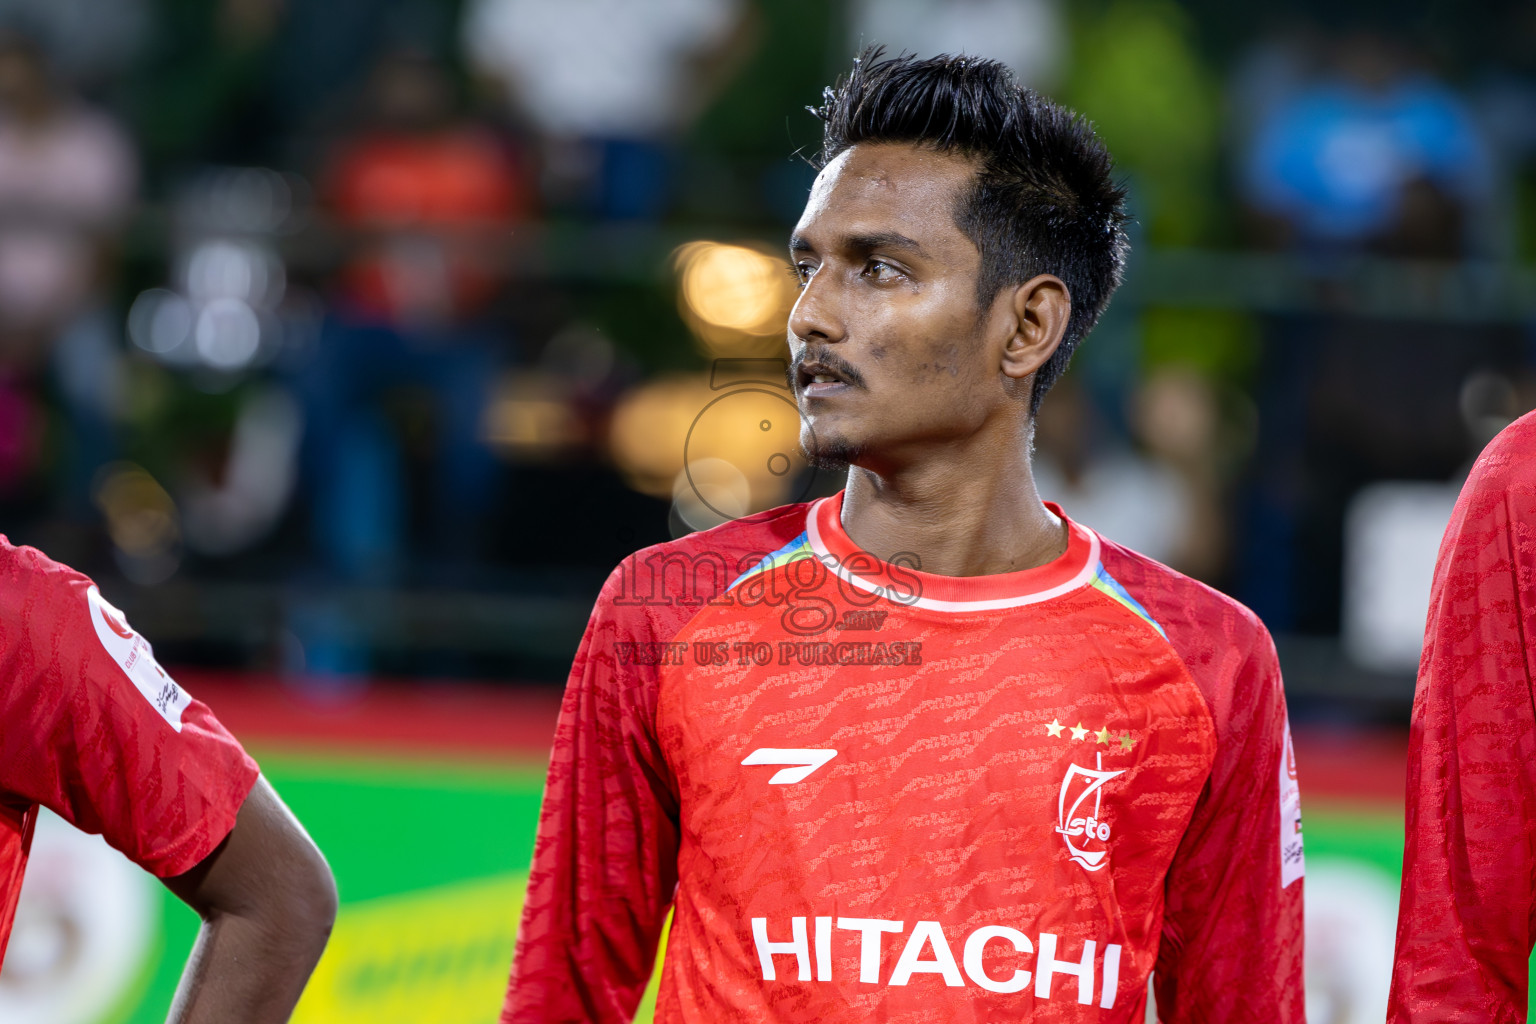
point(519, 630)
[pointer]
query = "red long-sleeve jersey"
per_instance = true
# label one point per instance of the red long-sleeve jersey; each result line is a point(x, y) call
point(94, 729)
point(1468, 914)
point(873, 793)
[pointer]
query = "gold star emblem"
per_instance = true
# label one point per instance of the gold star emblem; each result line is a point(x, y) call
point(1055, 727)
point(1126, 743)
point(1102, 736)
point(1078, 732)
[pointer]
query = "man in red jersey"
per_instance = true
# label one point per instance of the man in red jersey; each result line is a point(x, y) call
point(925, 750)
point(93, 728)
point(1468, 914)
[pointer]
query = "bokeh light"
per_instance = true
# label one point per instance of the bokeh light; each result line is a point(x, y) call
point(708, 492)
point(735, 298)
point(718, 452)
point(532, 417)
point(757, 431)
point(648, 434)
point(142, 520)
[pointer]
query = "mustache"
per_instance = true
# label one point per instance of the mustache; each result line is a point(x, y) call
point(831, 361)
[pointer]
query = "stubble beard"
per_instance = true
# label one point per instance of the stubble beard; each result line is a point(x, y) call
point(831, 455)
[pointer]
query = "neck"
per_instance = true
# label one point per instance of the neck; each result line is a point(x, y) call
point(959, 518)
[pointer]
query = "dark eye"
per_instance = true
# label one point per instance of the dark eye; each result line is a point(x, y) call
point(879, 270)
point(802, 272)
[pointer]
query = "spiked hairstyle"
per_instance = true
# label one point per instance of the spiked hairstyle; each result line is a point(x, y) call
point(1043, 201)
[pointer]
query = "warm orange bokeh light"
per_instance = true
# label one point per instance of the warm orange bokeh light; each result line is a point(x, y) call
point(735, 298)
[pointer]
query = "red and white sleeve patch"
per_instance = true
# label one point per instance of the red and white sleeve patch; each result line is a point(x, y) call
point(137, 660)
point(1293, 862)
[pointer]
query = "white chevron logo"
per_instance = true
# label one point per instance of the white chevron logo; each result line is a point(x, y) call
point(804, 762)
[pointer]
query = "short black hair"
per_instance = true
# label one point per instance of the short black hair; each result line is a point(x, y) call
point(1044, 200)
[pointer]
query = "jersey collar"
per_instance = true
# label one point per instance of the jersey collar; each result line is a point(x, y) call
point(902, 584)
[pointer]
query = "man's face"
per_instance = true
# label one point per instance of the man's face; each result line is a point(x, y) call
point(891, 358)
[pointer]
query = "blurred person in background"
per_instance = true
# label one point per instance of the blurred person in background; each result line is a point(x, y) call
point(426, 200)
point(1176, 417)
point(1107, 484)
point(1159, 497)
point(92, 728)
point(1367, 153)
point(610, 84)
point(1465, 933)
point(1355, 150)
point(67, 177)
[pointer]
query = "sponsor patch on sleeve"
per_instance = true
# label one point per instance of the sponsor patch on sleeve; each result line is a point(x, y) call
point(1293, 863)
point(137, 660)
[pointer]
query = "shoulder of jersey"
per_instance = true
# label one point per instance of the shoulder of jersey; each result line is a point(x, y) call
point(24, 570)
point(1510, 458)
point(655, 590)
point(1175, 600)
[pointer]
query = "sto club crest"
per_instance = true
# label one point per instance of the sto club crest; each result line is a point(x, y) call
point(1077, 818)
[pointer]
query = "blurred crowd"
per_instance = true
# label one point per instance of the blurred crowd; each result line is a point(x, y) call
point(417, 294)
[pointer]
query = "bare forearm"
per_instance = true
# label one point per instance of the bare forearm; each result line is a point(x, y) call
point(248, 970)
point(267, 900)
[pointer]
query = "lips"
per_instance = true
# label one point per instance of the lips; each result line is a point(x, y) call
point(821, 378)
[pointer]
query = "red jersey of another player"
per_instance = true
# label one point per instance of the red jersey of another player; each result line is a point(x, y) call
point(873, 793)
point(92, 728)
point(1468, 914)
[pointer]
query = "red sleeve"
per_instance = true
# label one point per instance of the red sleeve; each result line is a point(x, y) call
point(1232, 937)
point(605, 861)
point(100, 734)
point(1232, 931)
point(1465, 926)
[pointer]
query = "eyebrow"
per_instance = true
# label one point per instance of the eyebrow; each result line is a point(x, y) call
point(864, 243)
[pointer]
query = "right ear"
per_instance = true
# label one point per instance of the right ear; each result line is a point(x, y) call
point(1040, 308)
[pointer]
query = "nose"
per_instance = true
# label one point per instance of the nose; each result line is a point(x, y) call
point(816, 316)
